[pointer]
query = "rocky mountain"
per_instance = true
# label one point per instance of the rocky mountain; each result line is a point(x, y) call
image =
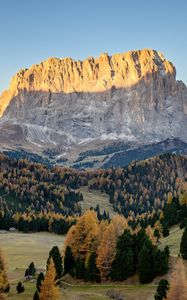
point(62, 107)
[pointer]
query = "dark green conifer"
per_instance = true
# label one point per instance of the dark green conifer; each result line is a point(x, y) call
point(36, 296)
point(162, 290)
point(166, 250)
point(20, 288)
point(160, 262)
point(31, 269)
point(92, 272)
point(124, 264)
point(145, 264)
point(79, 268)
point(69, 262)
point(39, 280)
point(183, 245)
point(57, 258)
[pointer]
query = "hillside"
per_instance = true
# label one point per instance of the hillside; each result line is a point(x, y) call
point(32, 194)
point(173, 240)
point(94, 199)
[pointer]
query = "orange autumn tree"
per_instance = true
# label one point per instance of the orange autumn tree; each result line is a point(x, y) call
point(82, 237)
point(106, 251)
point(4, 284)
point(49, 289)
point(2, 297)
point(120, 224)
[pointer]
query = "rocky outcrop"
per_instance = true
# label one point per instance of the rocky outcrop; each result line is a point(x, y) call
point(61, 102)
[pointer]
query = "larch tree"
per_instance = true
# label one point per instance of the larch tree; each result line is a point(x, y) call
point(4, 284)
point(106, 251)
point(150, 232)
point(102, 227)
point(2, 297)
point(120, 224)
point(82, 237)
point(49, 289)
point(178, 283)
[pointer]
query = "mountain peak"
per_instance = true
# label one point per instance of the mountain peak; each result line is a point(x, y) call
point(58, 103)
point(90, 75)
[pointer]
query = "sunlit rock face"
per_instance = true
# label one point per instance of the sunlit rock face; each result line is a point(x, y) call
point(132, 96)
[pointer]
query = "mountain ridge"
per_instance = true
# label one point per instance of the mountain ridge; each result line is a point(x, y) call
point(69, 106)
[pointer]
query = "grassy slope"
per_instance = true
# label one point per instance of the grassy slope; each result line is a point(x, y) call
point(91, 199)
point(173, 241)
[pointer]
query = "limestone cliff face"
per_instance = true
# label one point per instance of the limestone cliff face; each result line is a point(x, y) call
point(132, 96)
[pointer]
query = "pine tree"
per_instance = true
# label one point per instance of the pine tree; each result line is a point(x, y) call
point(20, 287)
point(124, 263)
point(183, 245)
point(141, 239)
point(167, 251)
point(145, 264)
point(92, 272)
point(31, 269)
point(27, 272)
point(162, 290)
point(36, 296)
point(49, 289)
point(39, 281)
point(69, 262)
point(79, 269)
point(160, 262)
point(57, 258)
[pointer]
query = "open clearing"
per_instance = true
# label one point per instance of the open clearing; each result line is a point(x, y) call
point(94, 198)
point(173, 240)
point(21, 249)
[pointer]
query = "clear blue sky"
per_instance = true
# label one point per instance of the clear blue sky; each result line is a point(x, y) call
point(31, 31)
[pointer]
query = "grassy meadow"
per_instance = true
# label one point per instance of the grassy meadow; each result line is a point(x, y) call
point(94, 198)
point(20, 249)
point(173, 240)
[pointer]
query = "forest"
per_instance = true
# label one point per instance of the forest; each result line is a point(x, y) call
point(34, 197)
point(148, 198)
